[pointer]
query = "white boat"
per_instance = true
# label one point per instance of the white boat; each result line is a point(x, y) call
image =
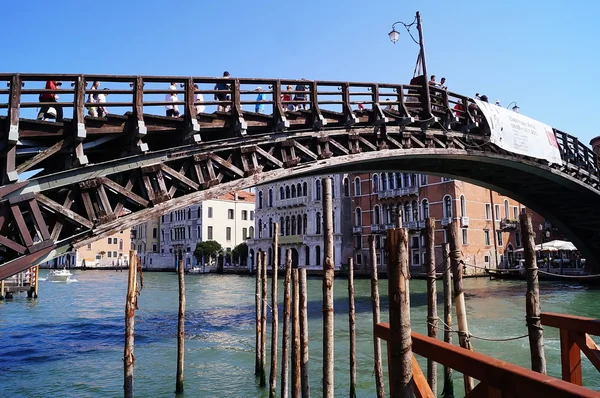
point(59, 275)
point(196, 270)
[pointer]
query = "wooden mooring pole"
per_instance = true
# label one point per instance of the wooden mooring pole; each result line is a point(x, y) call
point(352, 327)
point(448, 391)
point(459, 296)
point(130, 305)
point(328, 273)
point(285, 343)
point(532, 299)
point(263, 321)
point(274, 313)
point(296, 345)
point(303, 311)
point(432, 317)
point(376, 318)
point(258, 308)
point(180, 326)
point(400, 343)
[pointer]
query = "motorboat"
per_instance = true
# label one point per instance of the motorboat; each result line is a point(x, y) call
point(196, 270)
point(59, 275)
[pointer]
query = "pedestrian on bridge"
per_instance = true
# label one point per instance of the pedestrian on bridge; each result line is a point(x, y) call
point(172, 110)
point(50, 111)
point(92, 99)
point(301, 96)
point(223, 96)
point(259, 107)
point(102, 112)
point(198, 97)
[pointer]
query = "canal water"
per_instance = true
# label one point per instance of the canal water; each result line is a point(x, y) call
point(69, 342)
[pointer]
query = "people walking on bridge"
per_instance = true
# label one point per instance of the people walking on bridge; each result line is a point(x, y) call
point(301, 96)
point(287, 96)
point(102, 112)
point(260, 106)
point(50, 111)
point(222, 86)
point(432, 81)
point(443, 84)
point(92, 99)
point(172, 110)
point(198, 97)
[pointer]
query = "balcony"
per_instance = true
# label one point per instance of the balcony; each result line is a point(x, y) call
point(391, 193)
point(377, 228)
point(390, 225)
point(414, 225)
point(291, 239)
point(507, 224)
point(292, 202)
point(446, 221)
point(464, 222)
point(357, 229)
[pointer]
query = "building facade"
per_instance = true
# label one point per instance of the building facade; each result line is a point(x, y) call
point(146, 236)
point(297, 206)
point(228, 220)
point(489, 228)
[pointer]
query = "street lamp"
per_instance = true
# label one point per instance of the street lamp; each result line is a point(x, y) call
point(394, 35)
point(514, 108)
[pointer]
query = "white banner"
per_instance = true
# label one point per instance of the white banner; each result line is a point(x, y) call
point(520, 134)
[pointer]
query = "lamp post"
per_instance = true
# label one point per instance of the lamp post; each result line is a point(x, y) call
point(394, 35)
point(514, 108)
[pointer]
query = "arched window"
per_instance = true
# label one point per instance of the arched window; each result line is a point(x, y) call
point(463, 206)
point(287, 226)
point(357, 186)
point(251, 236)
point(270, 197)
point(304, 189)
point(299, 190)
point(281, 193)
point(281, 225)
point(293, 191)
point(318, 223)
point(358, 217)
point(406, 212)
point(425, 208)
point(304, 223)
point(318, 190)
point(346, 187)
point(299, 224)
point(415, 210)
point(398, 180)
point(307, 255)
point(384, 214)
point(506, 210)
point(287, 192)
point(376, 215)
point(375, 183)
point(199, 210)
point(260, 200)
point(413, 180)
point(384, 182)
point(318, 255)
point(294, 232)
point(259, 228)
point(190, 213)
point(405, 180)
point(447, 206)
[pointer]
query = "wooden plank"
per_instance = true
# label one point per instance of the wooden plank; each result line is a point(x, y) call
point(509, 378)
point(367, 143)
point(39, 219)
point(26, 165)
point(52, 205)
point(588, 346)
point(570, 358)
point(340, 147)
point(22, 263)
point(128, 188)
point(12, 245)
point(422, 389)
point(480, 391)
point(269, 157)
point(87, 203)
point(125, 191)
point(147, 184)
point(104, 200)
point(305, 150)
point(179, 177)
point(572, 323)
point(18, 217)
point(227, 164)
point(58, 225)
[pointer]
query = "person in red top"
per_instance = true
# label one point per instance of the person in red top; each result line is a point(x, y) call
point(46, 111)
point(288, 97)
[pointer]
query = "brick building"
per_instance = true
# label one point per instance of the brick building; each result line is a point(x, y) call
point(488, 221)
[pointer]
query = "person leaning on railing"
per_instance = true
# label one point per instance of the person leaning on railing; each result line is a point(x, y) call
point(50, 111)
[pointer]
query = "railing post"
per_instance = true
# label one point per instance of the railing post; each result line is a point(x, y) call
point(193, 128)
point(400, 342)
point(532, 299)
point(570, 356)
point(281, 122)
point(318, 121)
point(348, 113)
point(78, 123)
point(12, 130)
point(236, 109)
point(140, 129)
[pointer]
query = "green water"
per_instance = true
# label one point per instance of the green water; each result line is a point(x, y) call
point(69, 342)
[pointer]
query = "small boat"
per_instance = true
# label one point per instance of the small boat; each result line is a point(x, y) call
point(511, 273)
point(197, 270)
point(59, 275)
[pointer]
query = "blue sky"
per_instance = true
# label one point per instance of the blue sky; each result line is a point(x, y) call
point(543, 55)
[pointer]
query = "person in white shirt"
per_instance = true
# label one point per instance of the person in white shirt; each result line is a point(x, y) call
point(92, 99)
point(198, 98)
point(102, 112)
point(172, 110)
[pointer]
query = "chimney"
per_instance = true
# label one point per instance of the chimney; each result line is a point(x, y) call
point(595, 143)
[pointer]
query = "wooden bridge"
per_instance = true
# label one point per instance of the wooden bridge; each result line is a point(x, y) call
point(101, 174)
